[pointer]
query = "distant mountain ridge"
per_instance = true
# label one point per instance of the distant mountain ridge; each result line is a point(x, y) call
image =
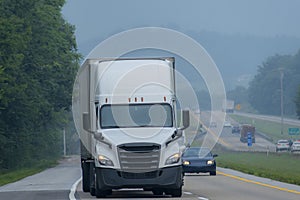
point(237, 56)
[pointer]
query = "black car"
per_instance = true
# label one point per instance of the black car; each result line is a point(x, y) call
point(199, 159)
point(236, 129)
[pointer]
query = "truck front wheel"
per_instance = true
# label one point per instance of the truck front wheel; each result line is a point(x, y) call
point(176, 192)
point(100, 192)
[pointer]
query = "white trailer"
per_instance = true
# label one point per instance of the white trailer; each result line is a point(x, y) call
point(125, 111)
point(228, 106)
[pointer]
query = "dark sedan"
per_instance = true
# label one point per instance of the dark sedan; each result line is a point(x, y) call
point(199, 160)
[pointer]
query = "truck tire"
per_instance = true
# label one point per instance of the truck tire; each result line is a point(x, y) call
point(92, 179)
point(99, 191)
point(85, 167)
point(176, 192)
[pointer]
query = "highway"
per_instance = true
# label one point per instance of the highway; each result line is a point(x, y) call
point(51, 184)
point(226, 138)
point(56, 184)
point(63, 181)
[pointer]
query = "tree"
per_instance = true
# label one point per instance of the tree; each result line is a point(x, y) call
point(38, 63)
point(265, 89)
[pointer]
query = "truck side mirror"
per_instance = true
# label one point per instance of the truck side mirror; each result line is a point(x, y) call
point(185, 118)
point(86, 121)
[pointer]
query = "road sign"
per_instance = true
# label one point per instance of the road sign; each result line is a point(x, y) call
point(294, 131)
point(249, 139)
point(238, 107)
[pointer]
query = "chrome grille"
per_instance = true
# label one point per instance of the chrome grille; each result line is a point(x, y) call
point(139, 157)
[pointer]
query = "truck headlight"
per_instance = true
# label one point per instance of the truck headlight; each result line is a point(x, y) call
point(210, 162)
point(173, 159)
point(105, 161)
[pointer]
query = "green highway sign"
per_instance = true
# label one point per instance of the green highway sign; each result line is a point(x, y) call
point(294, 131)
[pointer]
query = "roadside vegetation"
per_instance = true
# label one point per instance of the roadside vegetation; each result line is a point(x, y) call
point(9, 176)
point(284, 167)
point(38, 64)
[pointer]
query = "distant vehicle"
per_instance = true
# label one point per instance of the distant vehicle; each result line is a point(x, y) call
point(228, 106)
point(199, 160)
point(227, 124)
point(245, 130)
point(213, 125)
point(295, 146)
point(236, 129)
point(282, 145)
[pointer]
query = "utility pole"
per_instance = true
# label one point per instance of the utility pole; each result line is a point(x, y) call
point(281, 97)
point(64, 137)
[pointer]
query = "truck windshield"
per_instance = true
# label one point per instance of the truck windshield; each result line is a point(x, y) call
point(136, 115)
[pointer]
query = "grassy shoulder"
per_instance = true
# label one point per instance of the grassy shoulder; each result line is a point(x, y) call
point(9, 176)
point(283, 167)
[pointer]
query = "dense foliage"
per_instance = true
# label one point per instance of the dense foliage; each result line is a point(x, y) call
point(265, 89)
point(38, 63)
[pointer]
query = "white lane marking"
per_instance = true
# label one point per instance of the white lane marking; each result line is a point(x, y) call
point(189, 193)
point(202, 198)
point(73, 190)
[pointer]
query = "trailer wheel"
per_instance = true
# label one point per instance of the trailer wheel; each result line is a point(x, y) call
point(85, 167)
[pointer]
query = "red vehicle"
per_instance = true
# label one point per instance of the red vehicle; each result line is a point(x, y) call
point(245, 130)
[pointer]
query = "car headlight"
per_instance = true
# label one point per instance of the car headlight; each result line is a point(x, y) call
point(210, 162)
point(173, 159)
point(105, 161)
point(186, 162)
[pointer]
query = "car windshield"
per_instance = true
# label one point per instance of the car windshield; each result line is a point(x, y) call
point(197, 152)
point(136, 115)
point(283, 141)
point(297, 143)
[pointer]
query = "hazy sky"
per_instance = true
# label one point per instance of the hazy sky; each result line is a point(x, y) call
point(100, 19)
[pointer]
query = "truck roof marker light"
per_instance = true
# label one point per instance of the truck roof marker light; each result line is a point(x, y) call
point(135, 99)
point(129, 100)
point(106, 100)
point(142, 99)
point(165, 99)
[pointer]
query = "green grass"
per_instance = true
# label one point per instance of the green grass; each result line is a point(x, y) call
point(283, 167)
point(9, 176)
point(271, 129)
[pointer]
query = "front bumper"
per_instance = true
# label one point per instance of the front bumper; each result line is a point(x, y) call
point(169, 178)
point(198, 169)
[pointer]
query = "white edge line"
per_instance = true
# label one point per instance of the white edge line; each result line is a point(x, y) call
point(202, 198)
point(189, 193)
point(73, 190)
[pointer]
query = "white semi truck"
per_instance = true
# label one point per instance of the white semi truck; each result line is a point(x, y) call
point(131, 131)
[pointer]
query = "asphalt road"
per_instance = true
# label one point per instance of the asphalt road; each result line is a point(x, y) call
point(56, 184)
point(227, 185)
point(225, 137)
point(51, 184)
